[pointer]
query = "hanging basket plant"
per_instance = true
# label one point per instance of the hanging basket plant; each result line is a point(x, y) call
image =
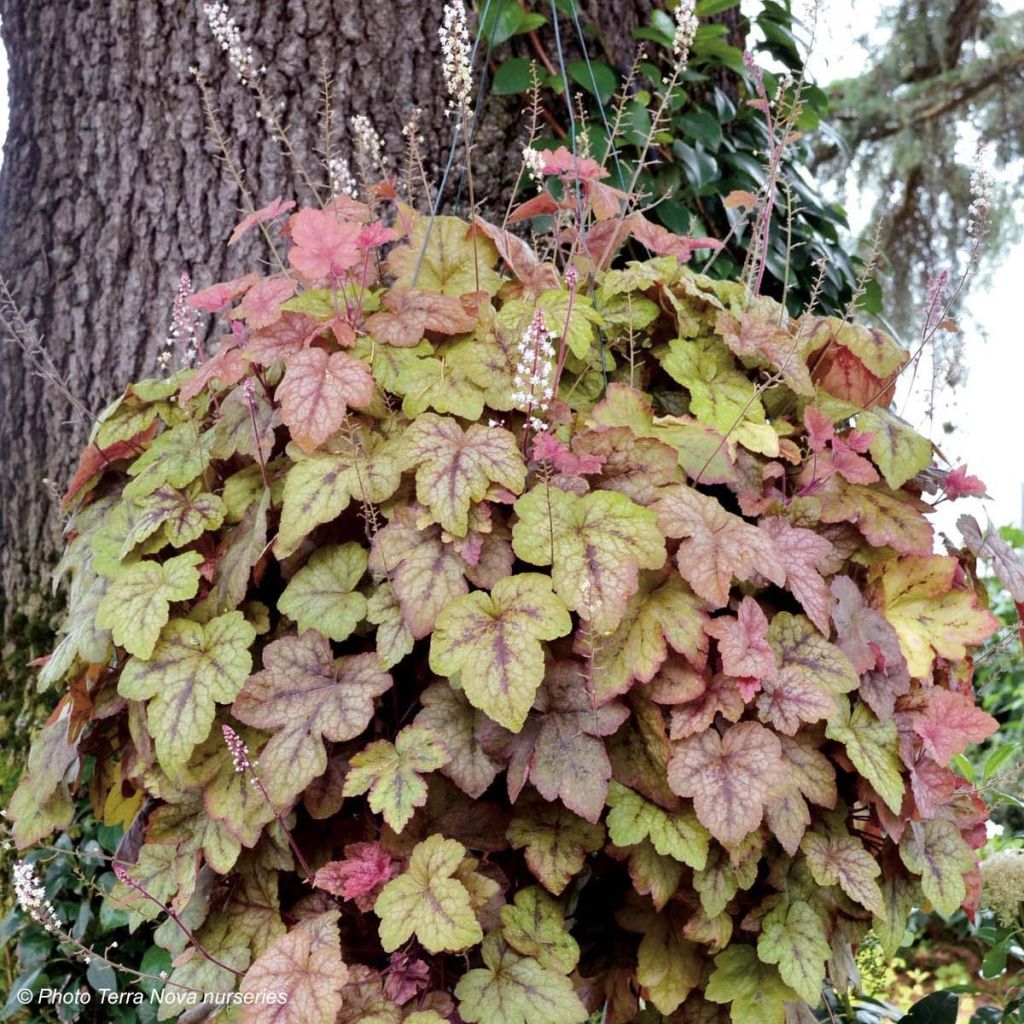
point(499, 636)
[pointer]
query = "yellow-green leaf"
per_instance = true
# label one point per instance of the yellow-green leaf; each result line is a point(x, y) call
point(137, 605)
point(898, 450)
point(632, 819)
point(495, 642)
point(391, 772)
point(193, 668)
point(456, 467)
point(426, 901)
point(595, 543)
point(930, 615)
point(320, 595)
point(756, 992)
point(514, 989)
point(535, 926)
point(873, 747)
point(937, 852)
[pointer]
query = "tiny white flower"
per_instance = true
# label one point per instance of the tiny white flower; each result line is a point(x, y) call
point(456, 65)
point(225, 30)
point(686, 29)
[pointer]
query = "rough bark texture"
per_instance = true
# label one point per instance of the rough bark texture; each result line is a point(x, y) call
point(111, 187)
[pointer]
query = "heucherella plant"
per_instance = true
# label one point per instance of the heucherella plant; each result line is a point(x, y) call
point(492, 638)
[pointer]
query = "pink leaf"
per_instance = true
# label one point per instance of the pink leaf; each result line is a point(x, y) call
point(565, 164)
point(325, 245)
point(949, 723)
point(819, 428)
point(272, 210)
point(806, 556)
point(317, 390)
point(228, 366)
point(373, 235)
point(406, 978)
point(959, 485)
point(366, 867)
point(663, 242)
point(218, 296)
point(261, 306)
point(743, 643)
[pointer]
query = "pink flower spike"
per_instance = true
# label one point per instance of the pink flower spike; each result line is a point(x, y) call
point(237, 748)
point(959, 485)
point(325, 246)
point(373, 235)
point(271, 211)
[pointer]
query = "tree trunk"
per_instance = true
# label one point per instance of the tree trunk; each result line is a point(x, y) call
point(111, 185)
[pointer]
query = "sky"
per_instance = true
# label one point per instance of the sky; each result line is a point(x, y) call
point(981, 407)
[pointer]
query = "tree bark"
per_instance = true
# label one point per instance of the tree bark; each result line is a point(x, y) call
point(111, 186)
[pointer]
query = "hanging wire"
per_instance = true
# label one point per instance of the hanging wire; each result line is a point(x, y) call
point(613, 150)
point(575, 151)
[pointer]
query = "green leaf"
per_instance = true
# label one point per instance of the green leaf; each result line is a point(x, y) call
point(426, 901)
point(193, 668)
point(937, 852)
point(137, 605)
point(184, 515)
point(391, 772)
point(793, 937)
point(494, 642)
point(837, 858)
point(500, 21)
point(444, 256)
point(702, 126)
point(514, 989)
point(304, 696)
point(318, 488)
point(320, 595)
point(556, 840)
point(595, 543)
point(898, 450)
point(455, 468)
point(873, 747)
point(709, 8)
point(594, 76)
point(756, 991)
point(632, 819)
point(934, 1008)
point(535, 926)
point(175, 457)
